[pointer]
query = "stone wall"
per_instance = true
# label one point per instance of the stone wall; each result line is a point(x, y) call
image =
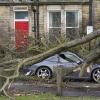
point(4, 17)
point(96, 14)
point(85, 18)
point(5, 34)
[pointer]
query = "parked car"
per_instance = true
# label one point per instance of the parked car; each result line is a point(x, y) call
point(45, 68)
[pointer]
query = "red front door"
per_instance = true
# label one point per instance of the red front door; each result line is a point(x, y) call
point(22, 32)
point(21, 29)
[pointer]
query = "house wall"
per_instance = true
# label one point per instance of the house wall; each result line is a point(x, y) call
point(5, 25)
point(85, 18)
point(96, 14)
point(4, 17)
point(7, 18)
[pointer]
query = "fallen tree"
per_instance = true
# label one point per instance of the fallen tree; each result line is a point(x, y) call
point(94, 55)
point(90, 59)
point(58, 49)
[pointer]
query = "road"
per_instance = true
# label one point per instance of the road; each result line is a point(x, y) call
point(78, 88)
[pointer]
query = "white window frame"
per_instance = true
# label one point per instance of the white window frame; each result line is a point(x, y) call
point(20, 8)
point(78, 17)
point(63, 11)
point(21, 19)
point(48, 27)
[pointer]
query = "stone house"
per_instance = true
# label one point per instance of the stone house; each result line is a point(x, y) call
point(56, 17)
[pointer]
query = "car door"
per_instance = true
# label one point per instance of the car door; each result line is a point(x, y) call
point(71, 67)
point(67, 64)
point(66, 61)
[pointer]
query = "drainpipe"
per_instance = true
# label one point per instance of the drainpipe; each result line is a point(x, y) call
point(35, 28)
point(90, 13)
point(37, 22)
point(90, 23)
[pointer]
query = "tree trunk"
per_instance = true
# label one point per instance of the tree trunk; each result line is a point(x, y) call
point(90, 59)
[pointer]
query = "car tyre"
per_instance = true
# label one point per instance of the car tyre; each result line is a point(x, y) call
point(96, 75)
point(44, 72)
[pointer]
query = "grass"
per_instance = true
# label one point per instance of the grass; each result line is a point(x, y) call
point(50, 97)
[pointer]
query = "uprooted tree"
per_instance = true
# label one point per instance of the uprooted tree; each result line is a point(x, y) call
point(13, 66)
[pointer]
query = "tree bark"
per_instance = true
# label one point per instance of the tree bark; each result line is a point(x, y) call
point(90, 59)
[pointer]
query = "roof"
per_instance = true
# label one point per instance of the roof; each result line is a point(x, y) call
point(44, 2)
point(65, 1)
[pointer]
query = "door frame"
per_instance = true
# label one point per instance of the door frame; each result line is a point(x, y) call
point(21, 9)
point(15, 20)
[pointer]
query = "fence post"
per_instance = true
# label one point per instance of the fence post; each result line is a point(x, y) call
point(59, 74)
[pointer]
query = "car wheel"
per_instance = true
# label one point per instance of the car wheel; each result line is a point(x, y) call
point(96, 75)
point(44, 72)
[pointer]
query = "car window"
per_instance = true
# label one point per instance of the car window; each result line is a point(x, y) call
point(72, 57)
point(66, 58)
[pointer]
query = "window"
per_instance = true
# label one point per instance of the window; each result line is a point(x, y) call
point(54, 24)
point(21, 15)
point(63, 22)
point(73, 58)
point(66, 58)
point(72, 24)
point(71, 19)
point(54, 19)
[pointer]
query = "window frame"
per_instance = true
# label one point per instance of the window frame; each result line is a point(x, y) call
point(78, 17)
point(63, 19)
point(48, 24)
point(21, 19)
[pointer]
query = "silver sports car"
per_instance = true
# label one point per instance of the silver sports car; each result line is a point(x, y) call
point(45, 68)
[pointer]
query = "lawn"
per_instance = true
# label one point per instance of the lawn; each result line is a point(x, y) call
point(50, 97)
